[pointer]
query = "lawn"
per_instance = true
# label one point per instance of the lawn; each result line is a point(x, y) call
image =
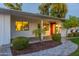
point(76, 41)
point(76, 53)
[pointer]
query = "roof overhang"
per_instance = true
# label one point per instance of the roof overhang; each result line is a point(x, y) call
point(27, 14)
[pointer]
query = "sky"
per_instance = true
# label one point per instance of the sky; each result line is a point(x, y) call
point(73, 8)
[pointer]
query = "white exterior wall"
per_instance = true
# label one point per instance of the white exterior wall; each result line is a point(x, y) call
point(28, 33)
point(4, 29)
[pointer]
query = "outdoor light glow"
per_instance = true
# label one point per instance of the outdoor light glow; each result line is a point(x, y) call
point(56, 25)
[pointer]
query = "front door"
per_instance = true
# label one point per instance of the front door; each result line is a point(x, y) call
point(52, 28)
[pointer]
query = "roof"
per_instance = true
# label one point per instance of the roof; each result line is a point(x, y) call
point(24, 14)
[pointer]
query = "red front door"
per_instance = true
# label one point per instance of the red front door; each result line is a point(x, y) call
point(52, 28)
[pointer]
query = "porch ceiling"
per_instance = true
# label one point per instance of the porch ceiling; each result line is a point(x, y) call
point(28, 15)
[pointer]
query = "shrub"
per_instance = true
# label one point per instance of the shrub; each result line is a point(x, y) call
point(56, 37)
point(20, 43)
point(70, 35)
point(74, 34)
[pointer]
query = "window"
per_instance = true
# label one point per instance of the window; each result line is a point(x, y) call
point(46, 26)
point(22, 25)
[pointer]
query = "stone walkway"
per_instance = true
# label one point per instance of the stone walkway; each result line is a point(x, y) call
point(63, 50)
point(5, 51)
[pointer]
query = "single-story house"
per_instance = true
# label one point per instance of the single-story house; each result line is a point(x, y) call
point(17, 23)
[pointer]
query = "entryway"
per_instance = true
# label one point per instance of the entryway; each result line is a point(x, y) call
point(52, 28)
point(55, 28)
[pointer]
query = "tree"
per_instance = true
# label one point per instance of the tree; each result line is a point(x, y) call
point(44, 8)
point(72, 22)
point(66, 25)
point(53, 9)
point(58, 10)
point(38, 32)
point(14, 6)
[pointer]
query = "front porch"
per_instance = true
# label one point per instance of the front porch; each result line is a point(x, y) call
point(24, 26)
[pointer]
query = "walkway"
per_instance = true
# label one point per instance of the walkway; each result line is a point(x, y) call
point(5, 51)
point(63, 50)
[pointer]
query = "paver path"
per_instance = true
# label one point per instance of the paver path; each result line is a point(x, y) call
point(5, 51)
point(63, 50)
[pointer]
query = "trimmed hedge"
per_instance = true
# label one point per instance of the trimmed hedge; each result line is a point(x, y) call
point(74, 34)
point(20, 43)
point(56, 37)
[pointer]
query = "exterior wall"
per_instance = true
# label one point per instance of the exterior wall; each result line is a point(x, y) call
point(4, 29)
point(62, 30)
point(28, 33)
point(32, 26)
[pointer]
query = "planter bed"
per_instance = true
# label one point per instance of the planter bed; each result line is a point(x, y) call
point(36, 47)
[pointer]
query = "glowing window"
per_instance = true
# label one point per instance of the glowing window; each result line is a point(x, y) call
point(22, 25)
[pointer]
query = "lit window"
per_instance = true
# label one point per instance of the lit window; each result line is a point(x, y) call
point(22, 25)
point(46, 26)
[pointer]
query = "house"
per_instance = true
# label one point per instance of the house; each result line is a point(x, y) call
point(16, 23)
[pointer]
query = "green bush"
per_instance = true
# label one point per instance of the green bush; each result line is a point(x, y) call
point(74, 34)
point(20, 43)
point(56, 37)
point(70, 35)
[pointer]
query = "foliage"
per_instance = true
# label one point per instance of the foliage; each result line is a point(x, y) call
point(14, 6)
point(53, 9)
point(58, 10)
point(44, 9)
point(56, 37)
point(73, 34)
point(38, 31)
point(67, 24)
point(70, 35)
point(20, 43)
point(74, 21)
point(71, 22)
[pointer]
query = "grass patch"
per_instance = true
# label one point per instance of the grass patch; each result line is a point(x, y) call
point(75, 40)
point(76, 53)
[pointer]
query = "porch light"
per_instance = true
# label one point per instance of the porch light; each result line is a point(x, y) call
point(57, 29)
point(56, 25)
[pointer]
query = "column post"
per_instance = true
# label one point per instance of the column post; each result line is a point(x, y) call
point(41, 28)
